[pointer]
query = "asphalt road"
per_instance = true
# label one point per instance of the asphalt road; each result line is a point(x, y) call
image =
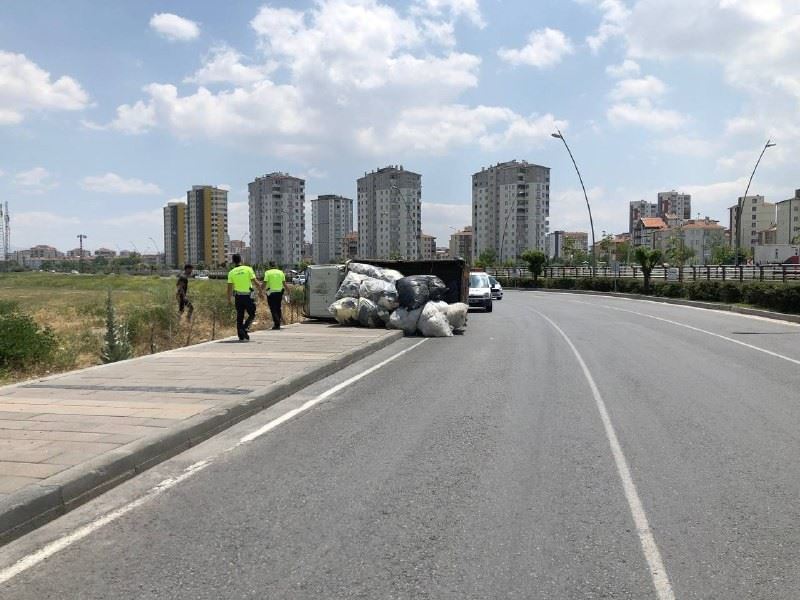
point(479, 466)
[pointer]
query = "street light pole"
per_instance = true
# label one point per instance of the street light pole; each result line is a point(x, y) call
point(743, 199)
point(560, 136)
point(81, 237)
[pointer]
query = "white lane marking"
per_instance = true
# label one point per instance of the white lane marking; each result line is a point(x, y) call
point(64, 542)
point(314, 401)
point(648, 542)
point(698, 329)
point(726, 313)
point(60, 544)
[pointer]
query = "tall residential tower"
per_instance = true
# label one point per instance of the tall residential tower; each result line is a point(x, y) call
point(331, 221)
point(510, 209)
point(389, 214)
point(175, 235)
point(206, 226)
point(277, 219)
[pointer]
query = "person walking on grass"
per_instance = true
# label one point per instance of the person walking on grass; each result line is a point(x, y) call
point(242, 283)
point(274, 279)
point(182, 292)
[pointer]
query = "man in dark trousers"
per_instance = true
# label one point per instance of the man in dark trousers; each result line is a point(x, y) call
point(274, 280)
point(182, 292)
point(242, 284)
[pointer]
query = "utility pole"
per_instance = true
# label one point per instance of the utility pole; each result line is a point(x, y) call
point(81, 237)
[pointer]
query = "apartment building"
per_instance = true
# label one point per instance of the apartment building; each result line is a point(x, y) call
point(674, 203)
point(276, 205)
point(640, 209)
point(644, 229)
point(461, 244)
point(510, 209)
point(427, 247)
point(700, 235)
point(206, 226)
point(331, 220)
point(557, 241)
point(389, 214)
point(175, 235)
point(788, 220)
point(350, 246)
point(757, 215)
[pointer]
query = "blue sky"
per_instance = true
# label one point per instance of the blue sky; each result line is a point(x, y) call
point(110, 109)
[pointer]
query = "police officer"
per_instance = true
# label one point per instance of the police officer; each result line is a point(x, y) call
point(242, 283)
point(274, 280)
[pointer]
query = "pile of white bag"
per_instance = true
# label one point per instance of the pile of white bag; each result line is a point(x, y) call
point(368, 297)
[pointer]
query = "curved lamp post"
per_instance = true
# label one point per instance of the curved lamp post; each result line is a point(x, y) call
point(560, 136)
point(743, 199)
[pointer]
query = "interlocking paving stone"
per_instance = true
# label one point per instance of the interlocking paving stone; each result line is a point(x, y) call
point(59, 422)
point(155, 389)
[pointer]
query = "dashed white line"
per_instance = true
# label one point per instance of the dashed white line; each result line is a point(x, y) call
point(645, 533)
point(64, 542)
point(698, 329)
point(35, 558)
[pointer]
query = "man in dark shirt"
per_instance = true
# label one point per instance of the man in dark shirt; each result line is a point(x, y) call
point(182, 292)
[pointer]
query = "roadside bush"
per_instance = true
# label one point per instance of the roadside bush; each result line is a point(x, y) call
point(22, 342)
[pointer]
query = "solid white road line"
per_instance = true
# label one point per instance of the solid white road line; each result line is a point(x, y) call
point(648, 542)
point(61, 543)
point(314, 401)
point(698, 329)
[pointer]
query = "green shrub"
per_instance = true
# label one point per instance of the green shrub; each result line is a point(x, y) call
point(22, 342)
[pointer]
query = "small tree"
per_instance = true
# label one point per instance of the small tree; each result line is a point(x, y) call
point(117, 346)
point(536, 260)
point(487, 258)
point(647, 258)
point(678, 253)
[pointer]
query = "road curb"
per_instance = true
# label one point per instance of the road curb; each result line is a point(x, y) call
point(743, 310)
point(34, 506)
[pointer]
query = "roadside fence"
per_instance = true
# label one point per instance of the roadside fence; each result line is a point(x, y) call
point(778, 272)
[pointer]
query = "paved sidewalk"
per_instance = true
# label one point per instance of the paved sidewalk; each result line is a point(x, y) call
point(66, 438)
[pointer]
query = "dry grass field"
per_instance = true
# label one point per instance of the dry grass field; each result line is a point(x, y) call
point(73, 307)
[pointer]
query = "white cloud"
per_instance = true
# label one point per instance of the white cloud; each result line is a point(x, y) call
point(437, 129)
point(111, 183)
point(35, 181)
point(627, 68)
point(644, 114)
point(335, 78)
point(174, 28)
point(741, 125)
point(25, 87)
point(147, 218)
point(545, 48)
point(568, 210)
point(469, 9)
point(646, 87)
point(42, 219)
point(224, 65)
point(2, 172)
point(238, 220)
point(612, 24)
point(441, 219)
point(683, 145)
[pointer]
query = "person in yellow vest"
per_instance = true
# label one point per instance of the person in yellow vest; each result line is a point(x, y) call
point(242, 284)
point(275, 281)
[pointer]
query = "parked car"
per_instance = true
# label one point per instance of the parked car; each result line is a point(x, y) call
point(299, 279)
point(201, 275)
point(497, 289)
point(480, 291)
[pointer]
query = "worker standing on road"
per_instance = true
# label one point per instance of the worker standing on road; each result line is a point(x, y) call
point(274, 279)
point(182, 292)
point(242, 284)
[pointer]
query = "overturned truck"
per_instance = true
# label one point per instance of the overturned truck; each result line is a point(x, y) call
point(424, 297)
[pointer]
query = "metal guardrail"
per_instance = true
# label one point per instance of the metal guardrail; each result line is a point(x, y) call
point(785, 273)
